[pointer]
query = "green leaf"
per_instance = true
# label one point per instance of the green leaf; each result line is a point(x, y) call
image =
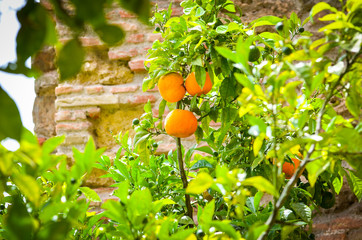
point(221, 29)
point(141, 7)
point(33, 31)
point(205, 149)
point(228, 88)
point(320, 7)
point(10, 121)
point(258, 143)
point(265, 20)
point(261, 184)
point(207, 212)
point(157, 205)
point(200, 75)
point(70, 59)
point(28, 186)
point(201, 164)
point(199, 12)
point(244, 80)
point(110, 34)
point(357, 185)
point(302, 211)
point(200, 184)
point(226, 227)
point(286, 230)
point(269, 35)
point(18, 222)
point(90, 194)
point(315, 168)
point(227, 53)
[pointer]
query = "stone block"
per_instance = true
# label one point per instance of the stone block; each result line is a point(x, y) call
point(43, 116)
point(44, 60)
point(46, 83)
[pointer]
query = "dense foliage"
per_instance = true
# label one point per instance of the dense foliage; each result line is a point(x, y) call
point(272, 104)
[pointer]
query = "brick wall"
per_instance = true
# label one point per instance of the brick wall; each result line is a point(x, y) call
point(107, 94)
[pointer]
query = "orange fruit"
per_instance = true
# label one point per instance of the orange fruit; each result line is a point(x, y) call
point(180, 123)
point(193, 87)
point(289, 168)
point(171, 87)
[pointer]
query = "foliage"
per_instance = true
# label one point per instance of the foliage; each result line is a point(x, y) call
point(39, 195)
point(267, 112)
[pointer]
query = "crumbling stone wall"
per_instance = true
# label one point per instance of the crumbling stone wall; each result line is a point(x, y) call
point(107, 94)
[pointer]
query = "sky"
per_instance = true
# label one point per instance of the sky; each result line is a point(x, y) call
point(19, 87)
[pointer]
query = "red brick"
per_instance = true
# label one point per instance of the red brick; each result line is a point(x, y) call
point(93, 113)
point(135, 38)
point(128, 26)
point(176, 12)
point(126, 14)
point(62, 115)
point(124, 89)
point(151, 37)
point(139, 99)
point(137, 65)
point(90, 41)
point(94, 89)
point(69, 115)
point(77, 126)
point(66, 89)
point(122, 55)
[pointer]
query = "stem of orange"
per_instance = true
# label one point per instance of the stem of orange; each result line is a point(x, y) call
point(182, 172)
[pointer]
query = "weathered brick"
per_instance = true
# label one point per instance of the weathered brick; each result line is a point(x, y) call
point(126, 14)
point(45, 59)
point(94, 89)
point(63, 115)
point(332, 236)
point(124, 89)
point(135, 38)
point(75, 139)
point(137, 65)
point(122, 55)
point(140, 99)
point(151, 37)
point(129, 27)
point(90, 41)
point(104, 99)
point(93, 112)
point(70, 115)
point(66, 89)
point(345, 222)
point(76, 126)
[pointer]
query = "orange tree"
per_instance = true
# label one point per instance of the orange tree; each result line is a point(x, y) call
point(271, 95)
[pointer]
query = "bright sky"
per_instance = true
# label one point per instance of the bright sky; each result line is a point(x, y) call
point(19, 87)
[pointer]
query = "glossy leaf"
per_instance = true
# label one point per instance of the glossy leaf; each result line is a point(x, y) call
point(10, 121)
point(70, 59)
point(90, 194)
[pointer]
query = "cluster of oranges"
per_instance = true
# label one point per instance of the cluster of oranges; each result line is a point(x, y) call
point(181, 123)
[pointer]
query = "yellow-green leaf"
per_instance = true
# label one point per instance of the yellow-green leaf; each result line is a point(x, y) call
point(200, 184)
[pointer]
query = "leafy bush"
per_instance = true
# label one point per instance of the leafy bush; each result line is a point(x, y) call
point(273, 158)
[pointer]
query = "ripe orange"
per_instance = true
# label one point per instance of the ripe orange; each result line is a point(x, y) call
point(193, 87)
point(171, 87)
point(180, 123)
point(289, 168)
